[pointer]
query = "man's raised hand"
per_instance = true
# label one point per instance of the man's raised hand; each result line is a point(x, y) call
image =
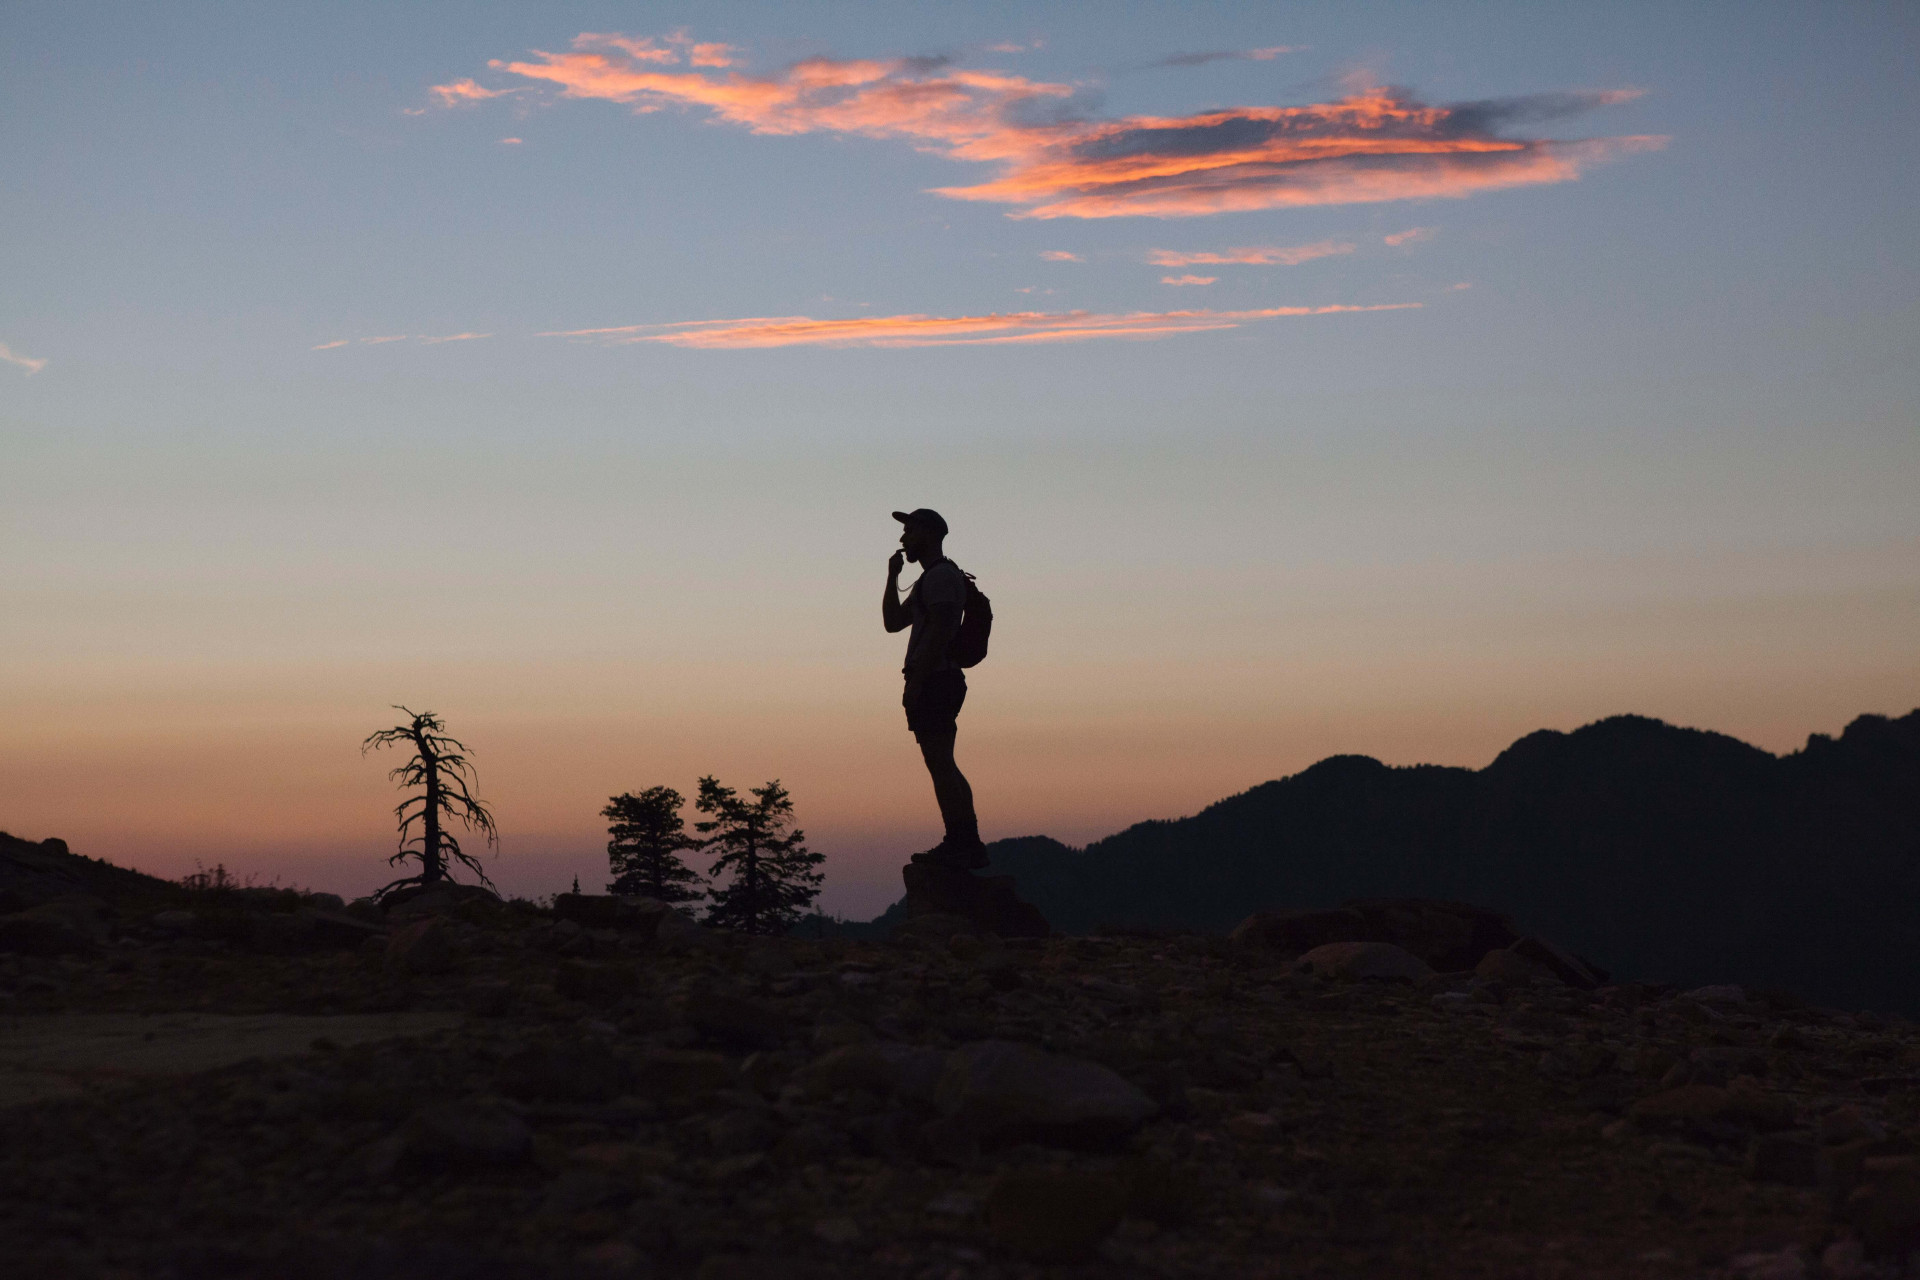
point(895, 561)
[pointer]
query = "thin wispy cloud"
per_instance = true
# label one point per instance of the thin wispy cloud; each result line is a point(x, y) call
point(1055, 160)
point(31, 364)
point(1252, 255)
point(1188, 279)
point(945, 331)
point(465, 93)
point(426, 340)
point(1412, 235)
point(512, 142)
point(1267, 54)
point(1060, 255)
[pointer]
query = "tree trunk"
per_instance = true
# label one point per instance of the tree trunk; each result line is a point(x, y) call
point(432, 866)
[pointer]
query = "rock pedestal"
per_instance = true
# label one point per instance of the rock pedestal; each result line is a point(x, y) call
point(988, 901)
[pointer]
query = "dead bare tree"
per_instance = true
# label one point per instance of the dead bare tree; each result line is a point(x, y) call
point(445, 780)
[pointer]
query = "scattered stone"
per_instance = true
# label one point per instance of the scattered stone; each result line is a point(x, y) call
point(1885, 1209)
point(679, 1074)
point(596, 983)
point(1848, 1124)
point(734, 1023)
point(1053, 1215)
point(1006, 1091)
point(837, 1231)
point(578, 1071)
point(1791, 1158)
point(425, 946)
point(1358, 960)
point(464, 1135)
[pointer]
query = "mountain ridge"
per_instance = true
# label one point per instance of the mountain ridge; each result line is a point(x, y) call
point(1664, 852)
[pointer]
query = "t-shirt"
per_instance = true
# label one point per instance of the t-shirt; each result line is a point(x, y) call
point(940, 583)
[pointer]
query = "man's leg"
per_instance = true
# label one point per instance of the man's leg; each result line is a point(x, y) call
point(950, 788)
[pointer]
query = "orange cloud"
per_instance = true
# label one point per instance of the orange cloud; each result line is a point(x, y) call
point(31, 364)
point(1254, 255)
point(1060, 255)
point(941, 331)
point(1188, 279)
point(1375, 144)
point(455, 337)
point(328, 346)
point(1412, 235)
point(464, 93)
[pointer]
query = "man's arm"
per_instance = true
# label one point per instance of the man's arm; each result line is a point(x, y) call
point(892, 613)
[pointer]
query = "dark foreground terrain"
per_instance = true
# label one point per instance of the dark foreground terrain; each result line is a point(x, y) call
point(253, 1085)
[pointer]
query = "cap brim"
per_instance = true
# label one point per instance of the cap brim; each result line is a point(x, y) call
point(902, 517)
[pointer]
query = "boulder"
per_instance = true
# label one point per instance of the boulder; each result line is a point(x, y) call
point(879, 1067)
point(1297, 932)
point(1450, 936)
point(1510, 967)
point(1569, 968)
point(1354, 960)
point(442, 897)
point(70, 925)
point(177, 922)
point(610, 911)
point(988, 901)
point(1006, 1091)
point(425, 946)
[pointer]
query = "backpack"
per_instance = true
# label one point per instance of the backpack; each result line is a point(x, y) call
point(976, 624)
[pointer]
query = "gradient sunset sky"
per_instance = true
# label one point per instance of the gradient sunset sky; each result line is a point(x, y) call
point(1297, 379)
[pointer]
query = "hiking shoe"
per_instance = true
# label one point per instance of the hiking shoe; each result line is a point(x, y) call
point(961, 857)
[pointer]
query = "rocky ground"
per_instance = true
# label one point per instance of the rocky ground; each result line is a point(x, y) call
point(476, 1089)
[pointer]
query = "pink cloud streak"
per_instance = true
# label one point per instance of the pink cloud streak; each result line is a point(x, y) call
point(1375, 144)
point(1252, 255)
point(760, 332)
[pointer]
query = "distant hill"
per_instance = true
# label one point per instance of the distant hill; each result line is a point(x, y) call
point(1664, 853)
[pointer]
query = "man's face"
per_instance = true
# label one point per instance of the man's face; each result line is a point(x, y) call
point(916, 540)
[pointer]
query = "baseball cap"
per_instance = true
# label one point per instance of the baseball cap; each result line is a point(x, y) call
point(924, 515)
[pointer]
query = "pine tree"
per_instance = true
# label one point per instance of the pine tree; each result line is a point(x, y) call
point(648, 836)
point(440, 769)
point(773, 871)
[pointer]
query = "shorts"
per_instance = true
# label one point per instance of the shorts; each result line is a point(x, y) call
point(935, 712)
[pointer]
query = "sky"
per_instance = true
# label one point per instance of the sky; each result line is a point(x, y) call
point(1296, 380)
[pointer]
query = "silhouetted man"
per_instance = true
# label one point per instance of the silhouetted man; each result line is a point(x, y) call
point(936, 686)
